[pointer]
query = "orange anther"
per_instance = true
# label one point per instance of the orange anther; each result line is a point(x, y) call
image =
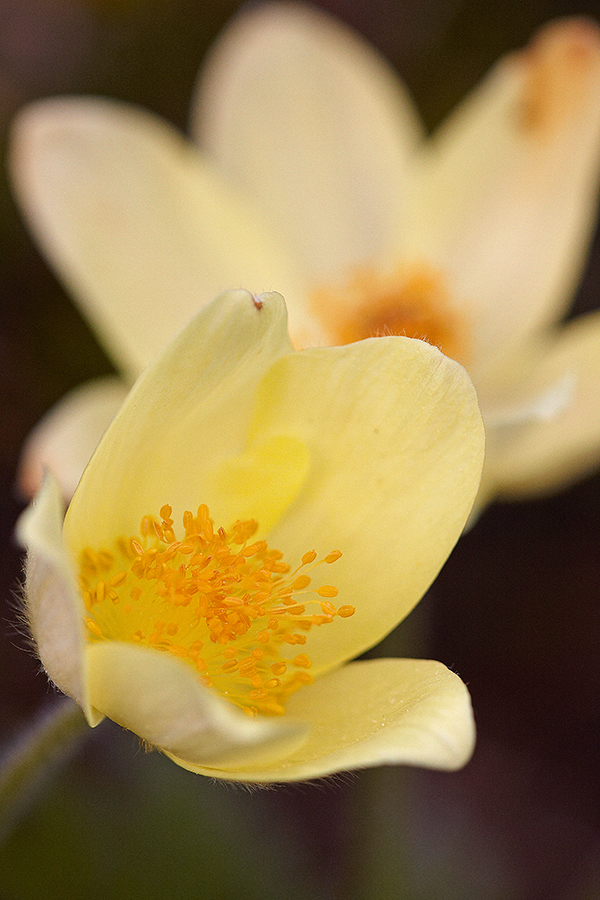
point(333, 556)
point(258, 694)
point(94, 628)
point(346, 611)
point(278, 668)
point(118, 579)
point(302, 661)
point(231, 666)
point(300, 583)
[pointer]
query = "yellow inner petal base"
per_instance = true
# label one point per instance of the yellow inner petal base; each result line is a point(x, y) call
point(412, 302)
point(231, 609)
point(264, 481)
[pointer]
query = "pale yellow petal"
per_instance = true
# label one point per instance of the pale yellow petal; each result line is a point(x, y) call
point(301, 112)
point(161, 700)
point(189, 411)
point(386, 711)
point(396, 444)
point(559, 443)
point(508, 196)
point(63, 441)
point(262, 482)
point(52, 602)
point(141, 229)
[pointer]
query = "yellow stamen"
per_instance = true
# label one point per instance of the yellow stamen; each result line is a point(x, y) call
point(411, 301)
point(232, 606)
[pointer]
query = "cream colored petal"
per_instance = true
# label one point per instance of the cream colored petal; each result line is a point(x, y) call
point(63, 441)
point(189, 410)
point(396, 441)
point(52, 602)
point(301, 112)
point(508, 196)
point(559, 443)
point(136, 223)
point(159, 698)
point(385, 711)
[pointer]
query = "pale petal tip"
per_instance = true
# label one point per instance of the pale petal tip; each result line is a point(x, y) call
point(32, 128)
point(562, 73)
point(574, 36)
point(269, 303)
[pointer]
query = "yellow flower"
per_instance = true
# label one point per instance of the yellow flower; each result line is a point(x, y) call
point(254, 518)
point(315, 177)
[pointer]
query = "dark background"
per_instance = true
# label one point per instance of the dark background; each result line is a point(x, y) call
point(516, 611)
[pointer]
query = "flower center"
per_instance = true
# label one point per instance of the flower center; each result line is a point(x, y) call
point(410, 302)
point(226, 607)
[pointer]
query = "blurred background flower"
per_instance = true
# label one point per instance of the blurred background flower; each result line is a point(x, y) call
point(515, 611)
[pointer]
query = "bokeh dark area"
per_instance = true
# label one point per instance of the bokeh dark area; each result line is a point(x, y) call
point(516, 610)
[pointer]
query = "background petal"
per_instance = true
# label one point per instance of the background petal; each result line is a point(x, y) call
point(383, 711)
point(143, 232)
point(310, 120)
point(68, 434)
point(396, 443)
point(160, 699)
point(508, 193)
point(550, 451)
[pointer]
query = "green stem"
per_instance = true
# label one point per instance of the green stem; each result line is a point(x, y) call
point(26, 766)
point(382, 859)
point(381, 862)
